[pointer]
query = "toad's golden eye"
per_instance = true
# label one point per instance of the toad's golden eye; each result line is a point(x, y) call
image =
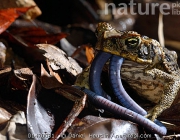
point(132, 42)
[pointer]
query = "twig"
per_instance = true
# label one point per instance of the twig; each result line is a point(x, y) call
point(160, 30)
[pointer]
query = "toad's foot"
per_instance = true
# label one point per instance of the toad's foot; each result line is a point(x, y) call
point(154, 112)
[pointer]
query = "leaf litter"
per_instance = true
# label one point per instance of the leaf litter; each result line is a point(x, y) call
point(40, 90)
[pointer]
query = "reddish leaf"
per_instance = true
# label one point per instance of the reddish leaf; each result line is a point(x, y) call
point(28, 31)
point(46, 38)
point(7, 16)
point(29, 36)
point(89, 54)
point(88, 50)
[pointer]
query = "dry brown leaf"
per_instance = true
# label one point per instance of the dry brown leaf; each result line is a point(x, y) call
point(23, 73)
point(31, 14)
point(92, 127)
point(54, 73)
point(59, 60)
point(49, 28)
point(29, 36)
point(20, 77)
point(79, 104)
point(16, 128)
point(4, 115)
point(2, 54)
point(48, 81)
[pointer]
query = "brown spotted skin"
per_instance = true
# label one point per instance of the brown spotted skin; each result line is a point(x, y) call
point(144, 85)
point(159, 62)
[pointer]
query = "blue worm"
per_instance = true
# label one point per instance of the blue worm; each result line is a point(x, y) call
point(119, 91)
point(95, 73)
point(96, 96)
point(120, 111)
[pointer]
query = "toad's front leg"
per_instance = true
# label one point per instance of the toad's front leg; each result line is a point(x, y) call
point(171, 87)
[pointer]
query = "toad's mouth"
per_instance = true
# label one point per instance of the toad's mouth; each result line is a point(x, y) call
point(136, 59)
point(129, 56)
point(132, 64)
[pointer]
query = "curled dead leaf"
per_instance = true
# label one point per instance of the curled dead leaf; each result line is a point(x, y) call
point(15, 128)
point(92, 127)
point(59, 60)
point(48, 81)
point(79, 99)
point(20, 78)
point(54, 73)
point(38, 120)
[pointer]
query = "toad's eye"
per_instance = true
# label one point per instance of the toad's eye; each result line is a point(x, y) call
point(132, 42)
